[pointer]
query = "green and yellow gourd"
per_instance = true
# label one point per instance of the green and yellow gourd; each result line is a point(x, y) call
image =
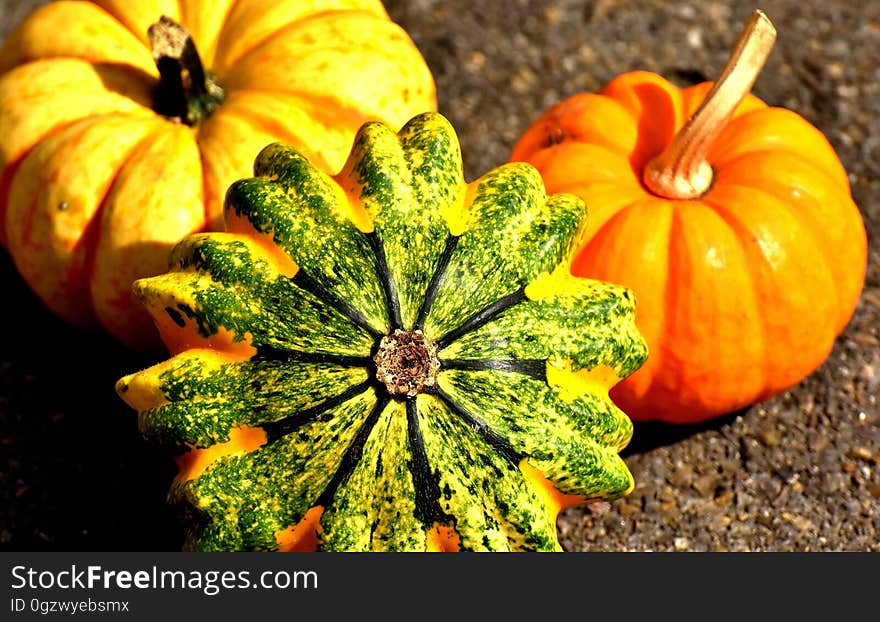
point(388, 359)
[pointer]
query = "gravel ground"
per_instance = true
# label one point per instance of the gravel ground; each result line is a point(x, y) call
point(799, 472)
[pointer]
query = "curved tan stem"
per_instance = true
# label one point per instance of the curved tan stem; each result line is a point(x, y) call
point(681, 170)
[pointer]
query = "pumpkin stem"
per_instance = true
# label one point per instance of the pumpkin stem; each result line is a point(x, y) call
point(186, 92)
point(681, 170)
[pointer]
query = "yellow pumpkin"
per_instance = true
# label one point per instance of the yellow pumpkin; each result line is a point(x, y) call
point(121, 131)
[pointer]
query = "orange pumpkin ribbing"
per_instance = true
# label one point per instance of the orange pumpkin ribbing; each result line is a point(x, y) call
point(740, 292)
point(307, 73)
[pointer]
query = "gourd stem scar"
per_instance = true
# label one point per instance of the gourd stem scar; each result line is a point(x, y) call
point(406, 363)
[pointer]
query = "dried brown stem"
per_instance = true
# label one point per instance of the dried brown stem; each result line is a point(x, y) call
point(186, 91)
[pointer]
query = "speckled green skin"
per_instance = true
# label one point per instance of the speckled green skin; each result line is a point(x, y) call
point(451, 258)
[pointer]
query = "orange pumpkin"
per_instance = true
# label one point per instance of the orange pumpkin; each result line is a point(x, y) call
point(116, 142)
point(732, 221)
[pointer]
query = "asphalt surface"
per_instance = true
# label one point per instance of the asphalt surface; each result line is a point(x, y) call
point(799, 472)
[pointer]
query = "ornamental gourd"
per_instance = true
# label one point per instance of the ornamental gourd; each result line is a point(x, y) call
point(387, 359)
point(118, 137)
point(731, 221)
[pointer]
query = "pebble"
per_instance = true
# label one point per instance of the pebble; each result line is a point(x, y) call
point(725, 497)
point(803, 524)
point(786, 474)
point(682, 476)
point(694, 38)
point(770, 437)
point(865, 339)
point(706, 484)
point(628, 507)
point(818, 443)
point(861, 453)
point(872, 297)
point(720, 522)
point(599, 507)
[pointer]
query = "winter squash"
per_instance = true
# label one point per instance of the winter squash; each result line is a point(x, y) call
point(120, 133)
point(387, 359)
point(732, 222)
